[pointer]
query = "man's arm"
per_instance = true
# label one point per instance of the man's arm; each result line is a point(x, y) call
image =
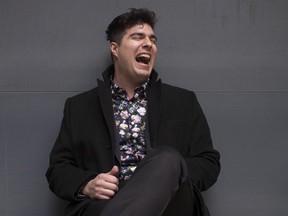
point(63, 175)
point(203, 161)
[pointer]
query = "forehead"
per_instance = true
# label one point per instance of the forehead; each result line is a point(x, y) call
point(143, 28)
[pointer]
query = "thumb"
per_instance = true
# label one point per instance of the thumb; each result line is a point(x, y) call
point(114, 171)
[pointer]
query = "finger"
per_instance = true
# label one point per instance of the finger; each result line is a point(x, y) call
point(111, 179)
point(114, 171)
point(106, 192)
point(111, 186)
point(105, 177)
point(101, 197)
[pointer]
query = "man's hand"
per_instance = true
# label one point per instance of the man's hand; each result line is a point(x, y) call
point(104, 186)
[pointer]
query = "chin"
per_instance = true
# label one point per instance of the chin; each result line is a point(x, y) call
point(145, 74)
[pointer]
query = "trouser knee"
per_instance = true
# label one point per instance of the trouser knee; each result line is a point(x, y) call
point(169, 159)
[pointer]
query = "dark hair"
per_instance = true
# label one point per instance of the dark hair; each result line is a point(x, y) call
point(121, 23)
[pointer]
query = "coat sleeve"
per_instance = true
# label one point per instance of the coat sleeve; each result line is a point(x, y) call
point(203, 160)
point(63, 175)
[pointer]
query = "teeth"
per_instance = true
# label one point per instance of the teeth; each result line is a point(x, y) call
point(144, 56)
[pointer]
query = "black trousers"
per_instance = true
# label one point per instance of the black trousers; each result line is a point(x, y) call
point(159, 186)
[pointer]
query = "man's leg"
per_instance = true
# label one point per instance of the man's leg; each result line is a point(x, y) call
point(94, 207)
point(182, 203)
point(153, 185)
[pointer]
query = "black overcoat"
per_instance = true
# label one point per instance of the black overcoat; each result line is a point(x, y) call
point(87, 145)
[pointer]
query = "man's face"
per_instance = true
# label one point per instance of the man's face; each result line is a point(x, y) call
point(135, 55)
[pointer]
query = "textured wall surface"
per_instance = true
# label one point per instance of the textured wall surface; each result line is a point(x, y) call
point(232, 53)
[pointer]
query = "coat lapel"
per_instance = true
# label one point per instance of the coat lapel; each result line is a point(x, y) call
point(154, 107)
point(105, 96)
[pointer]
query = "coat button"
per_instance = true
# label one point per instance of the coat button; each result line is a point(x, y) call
point(109, 147)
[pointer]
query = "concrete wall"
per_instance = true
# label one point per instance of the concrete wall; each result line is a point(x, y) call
point(232, 53)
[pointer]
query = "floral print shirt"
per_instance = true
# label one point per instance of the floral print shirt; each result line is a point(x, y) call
point(130, 120)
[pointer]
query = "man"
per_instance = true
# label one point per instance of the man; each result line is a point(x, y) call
point(133, 145)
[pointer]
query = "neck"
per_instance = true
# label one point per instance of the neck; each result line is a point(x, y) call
point(125, 84)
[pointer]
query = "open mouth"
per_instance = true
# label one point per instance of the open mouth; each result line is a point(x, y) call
point(143, 58)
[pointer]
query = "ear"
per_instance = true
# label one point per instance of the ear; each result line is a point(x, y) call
point(114, 49)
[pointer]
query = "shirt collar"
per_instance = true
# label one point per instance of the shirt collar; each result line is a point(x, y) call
point(140, 91)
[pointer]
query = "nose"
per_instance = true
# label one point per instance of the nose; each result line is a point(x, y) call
point(147, 43)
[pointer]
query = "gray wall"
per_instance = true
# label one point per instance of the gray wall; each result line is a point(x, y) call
point(233, 53)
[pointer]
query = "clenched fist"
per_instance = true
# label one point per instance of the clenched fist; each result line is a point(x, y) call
point(103, 186)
